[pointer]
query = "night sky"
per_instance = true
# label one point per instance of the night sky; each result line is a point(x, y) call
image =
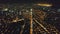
point(56, 3)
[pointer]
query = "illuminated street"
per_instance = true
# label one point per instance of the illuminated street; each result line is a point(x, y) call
point(29, 17)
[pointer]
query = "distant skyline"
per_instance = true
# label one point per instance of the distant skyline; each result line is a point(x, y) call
point(56, 3)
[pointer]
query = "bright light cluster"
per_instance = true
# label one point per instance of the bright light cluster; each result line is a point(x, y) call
point(47, 5)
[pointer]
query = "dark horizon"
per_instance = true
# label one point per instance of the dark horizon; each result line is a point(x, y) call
point(55, 3)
